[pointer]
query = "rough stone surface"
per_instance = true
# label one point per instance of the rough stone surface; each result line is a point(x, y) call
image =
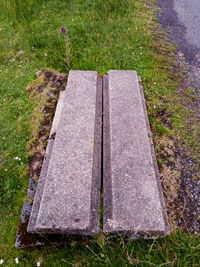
point(70, 199)
point(43, 174)
point(133, 200)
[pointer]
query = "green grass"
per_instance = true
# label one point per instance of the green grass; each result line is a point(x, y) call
point(104, 35)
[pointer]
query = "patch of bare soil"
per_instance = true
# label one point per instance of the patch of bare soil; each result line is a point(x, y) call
point(179, 174)
point(44, 91)
point(189, 193)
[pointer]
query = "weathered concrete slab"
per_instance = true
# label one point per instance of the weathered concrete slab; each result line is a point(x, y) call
point(70, 199)
point(45, 165)
point(133, 200)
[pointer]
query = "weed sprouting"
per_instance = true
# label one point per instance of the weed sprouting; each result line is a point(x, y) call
point(63, 30)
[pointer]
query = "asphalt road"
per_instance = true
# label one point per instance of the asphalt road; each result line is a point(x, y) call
point(182, 19)
point(188, 12)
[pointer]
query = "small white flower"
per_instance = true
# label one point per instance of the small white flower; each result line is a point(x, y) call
point(17, 158)
point(38, 263)
point(1, 261)
point(45, 54)
point(16, 260)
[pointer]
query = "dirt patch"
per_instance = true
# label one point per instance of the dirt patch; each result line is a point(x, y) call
point(189, 193)
point(44, 93)
point(164, 116)
point(180, 173)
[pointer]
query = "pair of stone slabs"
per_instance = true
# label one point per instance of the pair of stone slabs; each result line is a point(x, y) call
point(100, 153)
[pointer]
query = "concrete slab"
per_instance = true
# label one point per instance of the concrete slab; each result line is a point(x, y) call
point(133, 200)
point(45, 165)
point(70, 199)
